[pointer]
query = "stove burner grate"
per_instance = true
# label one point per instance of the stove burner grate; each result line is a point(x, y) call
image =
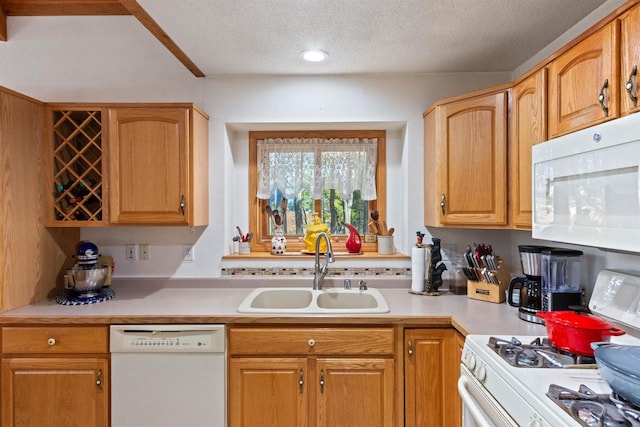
point(595, 410)
point(539, 353)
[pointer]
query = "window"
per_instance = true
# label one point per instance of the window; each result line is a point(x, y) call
point(336, 206)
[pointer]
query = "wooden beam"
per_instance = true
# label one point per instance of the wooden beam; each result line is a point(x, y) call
point(62, 7)
point(145, 19)
point(3, 25)
point(92, 7)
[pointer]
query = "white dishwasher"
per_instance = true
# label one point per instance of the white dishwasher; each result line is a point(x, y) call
point(168, 375)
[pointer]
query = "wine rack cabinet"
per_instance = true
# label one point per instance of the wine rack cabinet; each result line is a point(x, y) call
point(78, 167)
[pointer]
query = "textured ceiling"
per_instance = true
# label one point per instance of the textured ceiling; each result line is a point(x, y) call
point(364, 36)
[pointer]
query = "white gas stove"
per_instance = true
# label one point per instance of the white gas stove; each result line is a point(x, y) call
point(497, 393)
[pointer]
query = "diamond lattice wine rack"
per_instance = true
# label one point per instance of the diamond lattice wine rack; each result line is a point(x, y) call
point(77, 166)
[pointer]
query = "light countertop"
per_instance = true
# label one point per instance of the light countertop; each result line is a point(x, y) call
point(216, 301)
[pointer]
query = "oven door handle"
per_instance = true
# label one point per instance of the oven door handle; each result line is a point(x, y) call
point(484, 409)
point(471, 404)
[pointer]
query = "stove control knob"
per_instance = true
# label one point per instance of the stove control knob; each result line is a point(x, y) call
point(534, 423)
point(481, 373)
point(470, 361)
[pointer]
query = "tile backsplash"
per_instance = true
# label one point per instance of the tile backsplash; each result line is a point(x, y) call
point(304, 271)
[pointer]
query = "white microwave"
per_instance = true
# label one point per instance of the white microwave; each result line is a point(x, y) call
point(586, 186)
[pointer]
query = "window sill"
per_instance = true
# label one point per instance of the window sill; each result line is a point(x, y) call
point(301, 256)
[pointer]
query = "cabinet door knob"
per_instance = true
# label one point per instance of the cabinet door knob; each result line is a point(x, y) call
point(602, 98)
point(51, 341)
point(631, 86)
point(311, 342)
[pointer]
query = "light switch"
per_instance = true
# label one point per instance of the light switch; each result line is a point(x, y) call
point(130, 252)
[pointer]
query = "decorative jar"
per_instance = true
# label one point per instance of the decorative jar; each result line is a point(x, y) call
point(278, 241)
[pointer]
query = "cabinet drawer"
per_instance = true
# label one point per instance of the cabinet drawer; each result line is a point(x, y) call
point(305, 341)
point(51, 339)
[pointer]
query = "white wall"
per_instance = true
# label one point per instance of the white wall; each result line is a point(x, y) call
point(239, 104)
point(114, 59)
point(91, 59)
point(606, 8)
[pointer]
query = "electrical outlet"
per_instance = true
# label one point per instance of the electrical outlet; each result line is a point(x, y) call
point(130, 252)
point(188, 252)
point(370, 238)
point(144, 251)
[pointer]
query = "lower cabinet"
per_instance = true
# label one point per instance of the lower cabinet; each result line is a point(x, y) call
point(343, 376)
point(320, 377)
point(55, 377)
point(431, 366)
point(355, 392)
point(268, 391)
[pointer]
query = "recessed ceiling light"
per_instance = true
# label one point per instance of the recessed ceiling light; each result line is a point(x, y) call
point(314, 55)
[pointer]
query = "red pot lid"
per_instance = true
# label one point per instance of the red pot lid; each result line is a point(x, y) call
point(574, 319)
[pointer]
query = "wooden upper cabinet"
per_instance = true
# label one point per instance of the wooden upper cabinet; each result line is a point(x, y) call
point(133, 164)
point(76, 168)
point(466, 161)
point(528, 127)
point(158, 166)
point(629, 60)
point(583, 83)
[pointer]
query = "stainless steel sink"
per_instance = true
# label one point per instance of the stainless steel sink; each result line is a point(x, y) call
point(309, 301)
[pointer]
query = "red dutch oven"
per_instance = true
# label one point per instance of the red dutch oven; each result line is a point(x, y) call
point(574, 332)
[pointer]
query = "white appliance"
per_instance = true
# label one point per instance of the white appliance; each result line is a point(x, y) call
point(495, 393)
point(586, 186)
point(168, 375)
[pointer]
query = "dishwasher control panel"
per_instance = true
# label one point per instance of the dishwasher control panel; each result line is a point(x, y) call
point(167, 338)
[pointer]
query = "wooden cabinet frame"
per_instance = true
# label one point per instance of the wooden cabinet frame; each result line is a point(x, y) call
point(93, 160)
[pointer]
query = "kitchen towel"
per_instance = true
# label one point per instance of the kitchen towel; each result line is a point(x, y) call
point(418, 263)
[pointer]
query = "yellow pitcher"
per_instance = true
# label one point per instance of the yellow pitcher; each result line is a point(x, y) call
point(313, 230)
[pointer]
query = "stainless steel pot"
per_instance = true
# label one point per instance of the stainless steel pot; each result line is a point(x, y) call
point(87, 282)
point(618, 365)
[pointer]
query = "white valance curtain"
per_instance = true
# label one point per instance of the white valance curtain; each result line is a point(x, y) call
point(341, 164)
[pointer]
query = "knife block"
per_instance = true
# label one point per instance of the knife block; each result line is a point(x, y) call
point(491, 292)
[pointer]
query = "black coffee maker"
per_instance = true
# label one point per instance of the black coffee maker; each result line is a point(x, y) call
point(530, 286)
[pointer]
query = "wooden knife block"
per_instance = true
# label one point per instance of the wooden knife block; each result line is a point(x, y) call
point(492, 292)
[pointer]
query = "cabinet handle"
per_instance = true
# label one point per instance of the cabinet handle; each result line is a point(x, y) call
point(99, 380)
point(51, 341)
point(442, 203)
point(602, 98)
point(321, 380)
point(410, 350)
point(311, 342)
point(301, 381)
point(631, 85)
point(182, 203)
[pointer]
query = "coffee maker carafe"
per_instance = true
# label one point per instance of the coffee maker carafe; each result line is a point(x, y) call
point(530, 286)
point(561, 272)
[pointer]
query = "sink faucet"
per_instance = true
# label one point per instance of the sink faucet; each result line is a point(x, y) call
point(320, 272)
